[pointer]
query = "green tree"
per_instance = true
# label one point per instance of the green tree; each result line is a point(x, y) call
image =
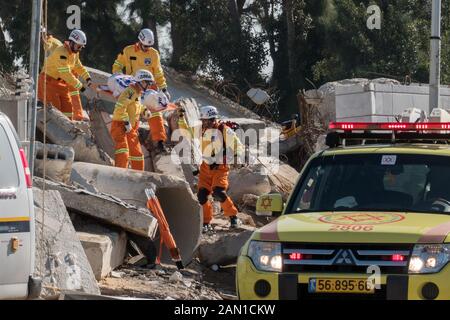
point(15, 17)
point(214, 35)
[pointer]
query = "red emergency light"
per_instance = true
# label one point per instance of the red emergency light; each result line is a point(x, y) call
point(398, 257)
point(295, 256)
point(390, 126)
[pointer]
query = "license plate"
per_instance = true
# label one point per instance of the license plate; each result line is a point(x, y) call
point(333, 285)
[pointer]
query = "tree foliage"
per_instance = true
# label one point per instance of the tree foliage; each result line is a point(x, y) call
point(232, 40)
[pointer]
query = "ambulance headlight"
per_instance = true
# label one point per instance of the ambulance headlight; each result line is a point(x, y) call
point(429, 258)
point(266, 256)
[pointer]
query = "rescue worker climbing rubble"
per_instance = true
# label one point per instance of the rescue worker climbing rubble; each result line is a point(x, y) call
point(50, 43)
point(57, 79)
point(141, 55)
point(125, 124)
point(218, 142)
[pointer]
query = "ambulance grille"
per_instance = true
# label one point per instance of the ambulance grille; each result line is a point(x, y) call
point(346, 258)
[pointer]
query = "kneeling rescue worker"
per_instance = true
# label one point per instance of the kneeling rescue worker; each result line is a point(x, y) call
point(57, 81)
point(216, 141)
point(125, 124)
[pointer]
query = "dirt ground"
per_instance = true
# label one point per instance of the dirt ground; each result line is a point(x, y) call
point(196, 283)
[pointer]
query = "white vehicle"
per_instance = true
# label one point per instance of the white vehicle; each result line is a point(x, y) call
point(17, 224)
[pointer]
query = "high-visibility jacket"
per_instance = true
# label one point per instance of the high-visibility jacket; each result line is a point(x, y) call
point(61, 64)
point(132, 58)
point(128, 107)
point(213, 141)
point(50, 45)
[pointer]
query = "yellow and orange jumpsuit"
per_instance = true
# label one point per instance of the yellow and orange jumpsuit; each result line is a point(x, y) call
point(131, 59)
point(57, 79)
point(128, 148)
point(213, 178)
point(50, 44)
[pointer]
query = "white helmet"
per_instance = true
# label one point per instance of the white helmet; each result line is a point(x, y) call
point(142, 75)
point(78, 36)
point(146, 37)
point(208, 112)
point(155, 101)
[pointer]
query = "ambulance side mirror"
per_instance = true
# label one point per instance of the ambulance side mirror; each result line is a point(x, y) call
point(269, 205)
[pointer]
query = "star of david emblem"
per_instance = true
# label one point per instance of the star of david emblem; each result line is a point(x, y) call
point(266, 203)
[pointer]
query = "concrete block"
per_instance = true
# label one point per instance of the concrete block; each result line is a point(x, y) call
point(61, 131)
point(224, 248)
point(108, 209)
point(60, 258)
point(105, 249)
point(58, 161)
point(248, 180)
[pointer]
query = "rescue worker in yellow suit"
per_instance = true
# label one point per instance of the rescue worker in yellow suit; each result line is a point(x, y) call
point(50, 44)
point(57, 76)
point(216, 140)
point(125, 122)
point(141, 55)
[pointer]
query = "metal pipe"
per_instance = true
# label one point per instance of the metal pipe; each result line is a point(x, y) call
point(435, 56)
point(34, 70)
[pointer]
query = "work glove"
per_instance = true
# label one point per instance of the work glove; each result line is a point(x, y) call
point(89, 82)
point(166, 92)
point(195, 172)
point(83, 89)
point(127, 126)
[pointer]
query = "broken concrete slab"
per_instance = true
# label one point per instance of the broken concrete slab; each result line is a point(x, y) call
point(179, 204)
point(60, 258)
point(61, 131)
point(164, 164)
point(105, 249)
point(107, 208)
point(58, 161)
point(248, 180)
point(223, 248)
point(100, 126)
point(83, 126)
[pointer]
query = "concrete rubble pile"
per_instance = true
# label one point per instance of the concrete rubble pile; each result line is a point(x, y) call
point(96, 218)
point(60, 258)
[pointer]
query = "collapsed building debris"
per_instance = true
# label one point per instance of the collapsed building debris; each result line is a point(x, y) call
point(60, 257)
point(106, 208)
point(223, 248)
point(61, 131)
point(115, 200)
point(104, 248)
point(178, 202)
point(57, 161)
